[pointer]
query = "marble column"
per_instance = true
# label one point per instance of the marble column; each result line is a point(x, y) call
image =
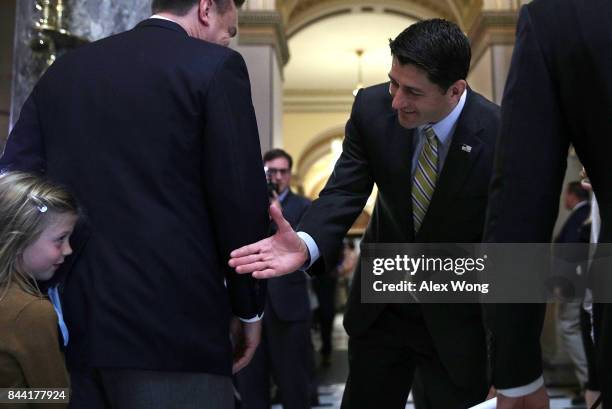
point(492, 38)
point(7, 29)
point(261, 41)
point(89, 19)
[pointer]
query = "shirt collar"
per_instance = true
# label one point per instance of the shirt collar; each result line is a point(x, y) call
point(162, 18)
point(444, 128)
point(283, 195)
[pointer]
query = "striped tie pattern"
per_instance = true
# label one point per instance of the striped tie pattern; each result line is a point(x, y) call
point(425, 177)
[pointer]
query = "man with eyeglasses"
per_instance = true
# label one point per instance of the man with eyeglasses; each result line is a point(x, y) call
point(285, 350)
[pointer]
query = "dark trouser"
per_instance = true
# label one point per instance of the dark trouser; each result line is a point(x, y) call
point(602, 321)
point(383, 363)
point(137, 389)
point(325, 288)
point(589, 349)
point(286, 353)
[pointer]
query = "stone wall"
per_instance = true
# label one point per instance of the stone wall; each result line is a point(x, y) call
point(90, 19)
point(7, 29)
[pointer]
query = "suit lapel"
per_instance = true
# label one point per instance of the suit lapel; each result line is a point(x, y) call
point(462, 156)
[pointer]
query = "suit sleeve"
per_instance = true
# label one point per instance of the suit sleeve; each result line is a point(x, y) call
point(524, 198)
point(344, 196)
point(24, 149)
point(235, 185)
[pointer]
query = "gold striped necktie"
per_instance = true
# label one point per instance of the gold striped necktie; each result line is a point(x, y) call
point(425, 177)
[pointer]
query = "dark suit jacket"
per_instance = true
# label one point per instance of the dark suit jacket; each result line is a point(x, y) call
point(288, 295)
point(378, 150)
point(570, 253)
point(559, 91)
point(570, 232)
point(155, 133)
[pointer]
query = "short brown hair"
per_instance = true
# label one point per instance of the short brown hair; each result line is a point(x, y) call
point(181, 7)
point(278, 153)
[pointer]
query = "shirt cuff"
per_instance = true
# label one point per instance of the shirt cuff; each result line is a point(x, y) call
point(523, 390)
point(254, 319)
point(313, 250)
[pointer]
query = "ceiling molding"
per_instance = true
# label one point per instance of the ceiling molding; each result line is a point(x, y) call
point(307, 12)
point(317, 100)
point(264, 28)
point(469, 10)
point(492, 28)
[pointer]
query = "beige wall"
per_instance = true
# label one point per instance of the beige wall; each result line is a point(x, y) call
point(266, 89)
point(501, 58)
point(481, 76)
point(488, 75)
point(300, 129)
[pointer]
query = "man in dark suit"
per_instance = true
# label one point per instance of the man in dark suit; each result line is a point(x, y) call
point(559, 92)
point(573, 261)
point(576, 200)
point(286, 349)
point(424, 124)
point(154, 131)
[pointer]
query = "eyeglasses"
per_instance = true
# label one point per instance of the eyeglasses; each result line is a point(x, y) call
point(272, 171)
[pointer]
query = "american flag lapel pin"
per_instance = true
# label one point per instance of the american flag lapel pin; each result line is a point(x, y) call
point(466, 148)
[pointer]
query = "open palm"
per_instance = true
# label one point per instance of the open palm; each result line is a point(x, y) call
point(283, 253)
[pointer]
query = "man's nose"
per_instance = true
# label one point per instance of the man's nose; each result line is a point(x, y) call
point(398, 101)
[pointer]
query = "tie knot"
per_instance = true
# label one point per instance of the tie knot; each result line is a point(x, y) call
point(430, 134)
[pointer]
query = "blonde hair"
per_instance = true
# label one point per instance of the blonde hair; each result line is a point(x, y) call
point(27, 203)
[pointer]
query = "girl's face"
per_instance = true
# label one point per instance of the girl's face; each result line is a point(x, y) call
point(41, 258)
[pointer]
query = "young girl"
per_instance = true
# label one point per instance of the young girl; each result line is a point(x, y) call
point(36, 220)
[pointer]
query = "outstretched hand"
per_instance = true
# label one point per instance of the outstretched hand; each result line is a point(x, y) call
point(283, 253)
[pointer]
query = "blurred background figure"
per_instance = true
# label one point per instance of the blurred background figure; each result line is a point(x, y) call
point(286, 351)
point(576, 200)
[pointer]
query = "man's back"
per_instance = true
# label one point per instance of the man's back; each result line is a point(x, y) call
point(559, 92)
point(141, 127)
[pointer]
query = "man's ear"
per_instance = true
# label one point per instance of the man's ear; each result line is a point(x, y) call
point(456, 90)
point(204, 7)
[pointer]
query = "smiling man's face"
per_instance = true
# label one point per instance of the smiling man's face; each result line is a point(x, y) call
point(417, 100)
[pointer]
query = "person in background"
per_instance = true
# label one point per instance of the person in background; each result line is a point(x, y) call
point(576, 200)
point(286, 349)
point(589, 233)
point(345, 273)
point(324, 286)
